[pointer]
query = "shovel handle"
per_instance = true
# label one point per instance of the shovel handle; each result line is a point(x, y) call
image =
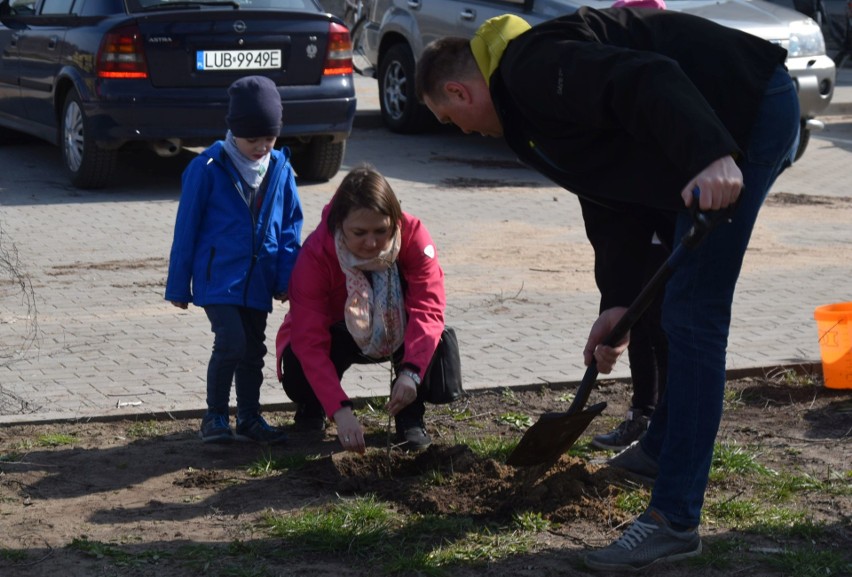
point(702, 224)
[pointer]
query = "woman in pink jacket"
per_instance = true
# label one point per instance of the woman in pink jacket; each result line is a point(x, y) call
point(366, 288)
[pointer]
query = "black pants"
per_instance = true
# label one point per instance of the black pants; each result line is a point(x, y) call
point(344, 353)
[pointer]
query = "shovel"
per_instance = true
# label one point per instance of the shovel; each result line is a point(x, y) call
point(555, 433)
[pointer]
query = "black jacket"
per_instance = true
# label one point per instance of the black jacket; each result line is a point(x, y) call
point(623, 107)
point(628, 105)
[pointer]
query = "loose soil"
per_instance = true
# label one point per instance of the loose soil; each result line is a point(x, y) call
point(128, 497)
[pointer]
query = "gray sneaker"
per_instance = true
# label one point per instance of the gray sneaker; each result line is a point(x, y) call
point(648, 540)
point(629, 430)
point(637, 462)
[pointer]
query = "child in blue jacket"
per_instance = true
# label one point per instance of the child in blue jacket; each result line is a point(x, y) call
point(237, 235)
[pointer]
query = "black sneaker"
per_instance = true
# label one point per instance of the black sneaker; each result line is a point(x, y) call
point(308, 419)
point(635, 461)
point(629, 430)
point(411, 433)
point(257, 430)
point(215, 429)
point(648, 540)
point(413, 438)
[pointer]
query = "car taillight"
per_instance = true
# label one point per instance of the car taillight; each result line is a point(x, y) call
point(338, 60)
point(121, 54)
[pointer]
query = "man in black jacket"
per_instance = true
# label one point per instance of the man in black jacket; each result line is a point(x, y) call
point(641, 113)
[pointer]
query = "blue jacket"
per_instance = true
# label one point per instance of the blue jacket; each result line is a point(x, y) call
point(219, 255)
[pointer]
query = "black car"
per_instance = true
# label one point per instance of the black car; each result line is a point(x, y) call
point(95, 75)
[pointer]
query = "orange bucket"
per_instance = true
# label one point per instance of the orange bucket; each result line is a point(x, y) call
point(835, 344)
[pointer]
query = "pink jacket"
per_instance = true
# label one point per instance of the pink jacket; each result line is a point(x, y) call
point(318, 292)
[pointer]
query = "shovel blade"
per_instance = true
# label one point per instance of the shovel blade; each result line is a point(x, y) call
point(551, 436)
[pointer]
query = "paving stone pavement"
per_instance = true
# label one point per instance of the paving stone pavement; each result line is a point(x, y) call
point(109, 345)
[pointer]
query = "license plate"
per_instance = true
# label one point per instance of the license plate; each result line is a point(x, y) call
point(237, 59)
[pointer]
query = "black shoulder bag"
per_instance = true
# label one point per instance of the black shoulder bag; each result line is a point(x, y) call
point(443, 382)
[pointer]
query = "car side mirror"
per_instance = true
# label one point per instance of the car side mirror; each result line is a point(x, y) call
point(8, 16)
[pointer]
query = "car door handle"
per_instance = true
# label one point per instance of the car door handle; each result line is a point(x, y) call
point(414, 4)
point(468, 14)
point(51, 44)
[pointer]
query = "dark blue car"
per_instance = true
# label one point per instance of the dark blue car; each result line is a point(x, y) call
point(95, 75)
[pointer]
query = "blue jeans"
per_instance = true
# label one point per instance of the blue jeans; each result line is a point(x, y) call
point(697, 318)
point(238, 351)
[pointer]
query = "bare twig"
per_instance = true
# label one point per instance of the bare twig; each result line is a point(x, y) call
point(18, 326)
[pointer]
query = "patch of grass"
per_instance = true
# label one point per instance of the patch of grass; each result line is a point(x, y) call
point(791, 525)
point(508, 396)
point(790, 378)
point(268, 465)
point(634, 501)
point(785, 485)
point(530, 522)
point(518, 421)
point(115, 554)
point(435, 478)
point(55, 440)
point(755, 516)
point(482, 546)
point(13, 556)
point(810, 563)
point(409, 545)
point(375, 407)
point(199, 557)
point(144, 429)
point(721, 555)
point(583, 450)
point(12, 457)
point(732, 459)
point(348, 526)
point(491, 447)
point(732, 397)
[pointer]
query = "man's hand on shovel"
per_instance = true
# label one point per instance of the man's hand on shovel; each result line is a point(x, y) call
point(605, 356)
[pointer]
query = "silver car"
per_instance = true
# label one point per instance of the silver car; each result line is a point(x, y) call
point(396, 31)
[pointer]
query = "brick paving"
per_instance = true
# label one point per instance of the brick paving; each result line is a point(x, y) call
point(108, 345)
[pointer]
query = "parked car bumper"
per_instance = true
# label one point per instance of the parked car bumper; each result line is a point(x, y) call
point(814, 77)
point(121, 115)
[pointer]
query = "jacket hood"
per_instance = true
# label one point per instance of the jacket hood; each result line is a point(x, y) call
point(491, 39)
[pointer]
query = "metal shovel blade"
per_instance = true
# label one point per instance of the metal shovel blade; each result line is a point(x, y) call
point(551, 436)
point(555, 433)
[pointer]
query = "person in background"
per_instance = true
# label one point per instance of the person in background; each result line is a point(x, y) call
point(367, 288)
point(237, 235)
point(641, 112)
point(647, 351)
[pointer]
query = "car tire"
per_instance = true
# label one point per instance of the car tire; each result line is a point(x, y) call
point(88, 165)
point(401, 112)
point(804, 138)
point(319, 160)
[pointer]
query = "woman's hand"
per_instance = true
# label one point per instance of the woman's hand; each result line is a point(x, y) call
point(719, 185)
point(403, 393)
point(349, 430)
point(281, 297)
point(605, 356)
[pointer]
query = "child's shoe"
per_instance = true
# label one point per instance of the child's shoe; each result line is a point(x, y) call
point(257, 430)
point(215, 429)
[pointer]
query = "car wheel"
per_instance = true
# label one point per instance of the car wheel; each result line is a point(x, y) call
point(401, 112)
point(319, 160)
point(88, 165)
point(804, 138)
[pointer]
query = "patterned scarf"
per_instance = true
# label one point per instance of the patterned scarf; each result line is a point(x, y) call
point(252, 171)
point(375, 315)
